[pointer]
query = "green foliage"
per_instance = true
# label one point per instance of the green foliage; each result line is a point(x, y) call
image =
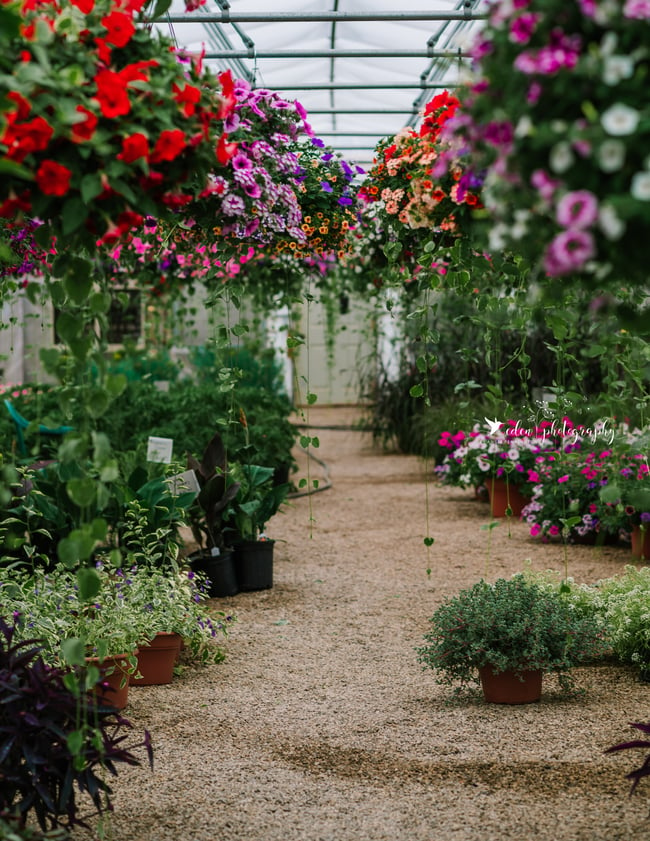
point(257, 501)
point(511, 624)
point(136, 363)
point(622, 603)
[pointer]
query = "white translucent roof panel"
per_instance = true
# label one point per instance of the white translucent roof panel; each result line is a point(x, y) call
point(339, 91)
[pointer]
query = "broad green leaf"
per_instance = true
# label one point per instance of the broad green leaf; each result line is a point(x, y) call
point(81, 491)
point(73, 651)
point(89, 583)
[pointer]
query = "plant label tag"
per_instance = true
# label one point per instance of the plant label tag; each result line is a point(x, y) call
point(184, 483)
point(160, 449)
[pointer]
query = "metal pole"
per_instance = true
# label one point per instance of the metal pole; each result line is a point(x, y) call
point(405, 111)
point(351, 86)
point(310, 17)
point(290, 54)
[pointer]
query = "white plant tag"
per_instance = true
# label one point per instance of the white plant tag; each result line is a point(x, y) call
point(160, 449)
point(184, 483)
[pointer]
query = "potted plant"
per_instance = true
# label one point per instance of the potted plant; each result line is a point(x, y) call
point(170, 599)
point(257, 501)
point(207, 518)
point(55, 741)
point(513, 629)
point(80, 619)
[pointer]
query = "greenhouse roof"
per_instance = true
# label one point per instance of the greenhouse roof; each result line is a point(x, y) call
point(361, 69)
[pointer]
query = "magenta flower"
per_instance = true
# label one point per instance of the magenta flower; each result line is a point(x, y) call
point(523, 27)
point(564, 478)
point(577, 209)
point(569, 251)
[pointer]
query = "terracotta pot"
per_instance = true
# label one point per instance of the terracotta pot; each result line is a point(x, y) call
point(508, 687)
point(641, 543)
point(503, 495)
point(156, 660)
point(113, 687)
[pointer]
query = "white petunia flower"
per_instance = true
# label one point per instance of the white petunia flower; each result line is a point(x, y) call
point(524, 127)
point(640, 188)
point(617, 68)
point(620, 120)
point(561, 158)
point(610, 223)
point(611, 155)
point(497, 237)
point(609, 43)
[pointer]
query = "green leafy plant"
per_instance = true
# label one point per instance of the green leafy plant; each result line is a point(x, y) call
point(510, 624)
point(621, 604)
point(257, 501)
point(209, 513)
point(54, 740)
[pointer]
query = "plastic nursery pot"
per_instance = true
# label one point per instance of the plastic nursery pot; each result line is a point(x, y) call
point(510, 687)
point(254, 564)
point(113, 686)
point(504, 495)
point(219, 570)
point(156, 660)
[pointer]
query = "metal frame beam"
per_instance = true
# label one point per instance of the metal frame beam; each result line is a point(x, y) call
point(405, 110)
point(322, 17)
point(380, 86)
point(289, 54)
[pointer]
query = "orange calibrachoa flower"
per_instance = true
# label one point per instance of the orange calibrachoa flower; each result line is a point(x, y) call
point(404, 184)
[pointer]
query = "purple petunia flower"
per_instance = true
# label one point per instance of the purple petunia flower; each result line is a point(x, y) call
point(326, 187)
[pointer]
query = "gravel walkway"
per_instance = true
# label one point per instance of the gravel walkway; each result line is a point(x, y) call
point(321, 725)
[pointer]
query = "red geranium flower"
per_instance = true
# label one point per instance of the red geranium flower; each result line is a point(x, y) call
point(188, 97)
point(85, 6)
point(22, 105)
point(15, 204)
point(135, 72)
point(228, 98)
point(225, 150)
point(169, 145)
point(103, 51)
point(112, 95)
point(120, 28)
point(84, 130)
point(129, 219)
point(24, 138)
point(53, 178)
point(133, 147)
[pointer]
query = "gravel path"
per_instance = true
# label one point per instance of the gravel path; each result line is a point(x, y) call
point(321, 725)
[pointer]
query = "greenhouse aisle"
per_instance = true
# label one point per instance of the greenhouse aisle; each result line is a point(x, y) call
point(322, 726)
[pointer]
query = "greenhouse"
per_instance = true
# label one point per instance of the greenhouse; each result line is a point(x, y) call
point(324, 443)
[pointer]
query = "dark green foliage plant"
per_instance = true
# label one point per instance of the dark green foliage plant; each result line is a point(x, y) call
point(511, 624)
point(55, 741)
point(258, 499)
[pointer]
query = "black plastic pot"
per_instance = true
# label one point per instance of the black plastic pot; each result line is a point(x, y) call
point(254, 564)
point(220, 571)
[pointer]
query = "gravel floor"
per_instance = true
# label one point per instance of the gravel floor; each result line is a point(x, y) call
point(321, 725)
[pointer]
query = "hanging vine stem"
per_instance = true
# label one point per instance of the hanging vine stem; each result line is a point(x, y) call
point(306, 441)
point(428, 360)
